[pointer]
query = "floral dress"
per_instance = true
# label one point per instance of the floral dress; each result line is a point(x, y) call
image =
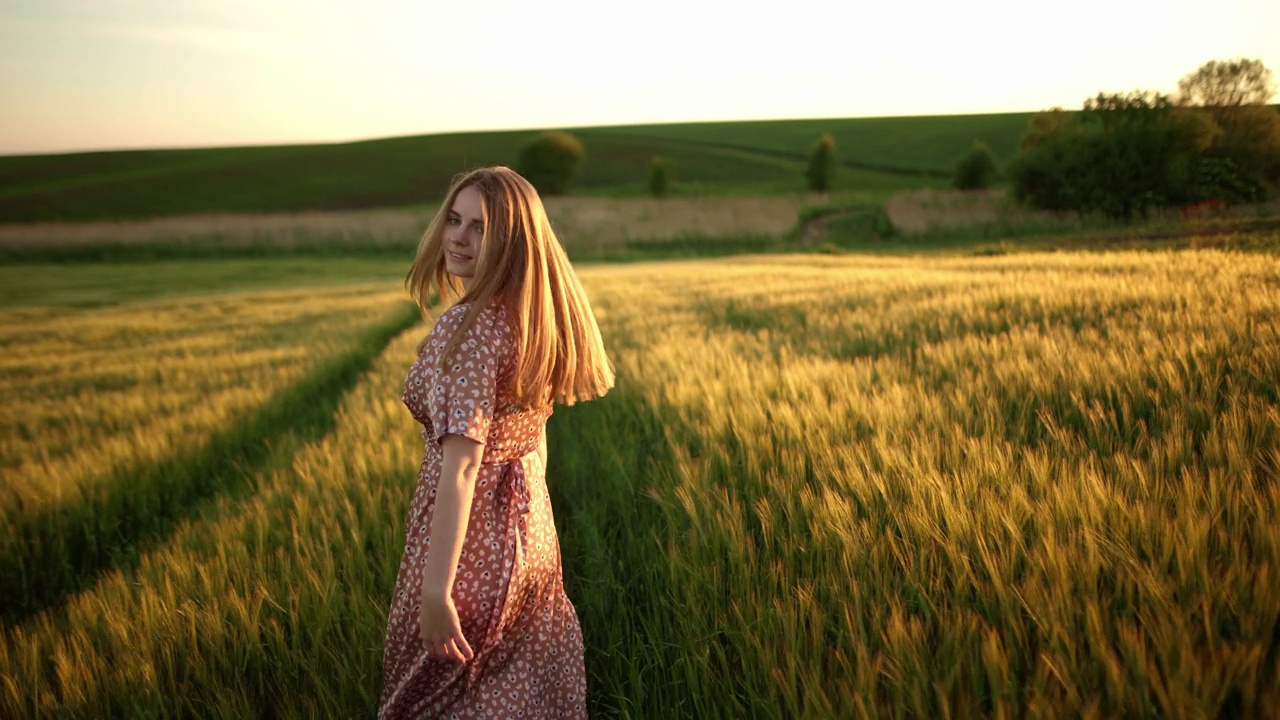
point(509, 590)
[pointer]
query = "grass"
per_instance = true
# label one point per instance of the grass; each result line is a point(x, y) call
point(376, 241)
point(1024, 486)
point(119, 418)
point(882, 155)
point(298, 249)
point(374, 174)
point(89, 285)
point(987, 223)
point(135, 184)
point(275, 599)
point(912, 146)
point(1035, 484)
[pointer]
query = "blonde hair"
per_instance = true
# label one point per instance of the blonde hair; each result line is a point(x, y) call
point(521, 265)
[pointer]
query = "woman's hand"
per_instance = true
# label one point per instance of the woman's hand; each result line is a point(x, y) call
point(441, 632)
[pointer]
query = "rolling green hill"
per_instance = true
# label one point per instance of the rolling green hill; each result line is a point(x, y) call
point(880, 155)
point(893, 144)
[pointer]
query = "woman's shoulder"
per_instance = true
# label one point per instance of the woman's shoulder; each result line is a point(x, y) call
point(451, 319)
point(490, 325)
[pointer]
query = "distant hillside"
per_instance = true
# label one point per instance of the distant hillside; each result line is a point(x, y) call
point(881, 155)
point(894, 144)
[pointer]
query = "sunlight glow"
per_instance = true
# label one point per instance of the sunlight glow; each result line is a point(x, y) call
point(76, 74)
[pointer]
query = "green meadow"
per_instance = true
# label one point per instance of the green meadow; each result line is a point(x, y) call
point(880, 155)
point(892, 453)
point(911, 146)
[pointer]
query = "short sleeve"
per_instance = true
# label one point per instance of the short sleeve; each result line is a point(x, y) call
point(464, 389)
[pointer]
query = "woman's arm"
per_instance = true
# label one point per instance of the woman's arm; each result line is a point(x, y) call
point(441, 630)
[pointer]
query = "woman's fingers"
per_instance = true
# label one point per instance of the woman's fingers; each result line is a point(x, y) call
point(459, 649)
point(451, 651)
point(442, 636)
point(451, 648)
point(463, 647)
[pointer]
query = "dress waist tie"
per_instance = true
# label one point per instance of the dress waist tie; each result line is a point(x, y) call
point(513, 489)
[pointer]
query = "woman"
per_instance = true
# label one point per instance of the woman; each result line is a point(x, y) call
point(480, 625)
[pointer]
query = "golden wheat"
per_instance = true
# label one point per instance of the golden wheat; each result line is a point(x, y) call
point(1007, 486)
point(1030, 485)
point(89, 394)
point(295, 579)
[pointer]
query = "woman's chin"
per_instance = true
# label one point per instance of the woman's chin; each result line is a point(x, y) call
point(460, 273)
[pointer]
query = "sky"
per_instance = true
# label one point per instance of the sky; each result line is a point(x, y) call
point(115, 74)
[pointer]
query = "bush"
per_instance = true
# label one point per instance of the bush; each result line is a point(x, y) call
point(1126, 153)
point(1121, 156)
point(1217, 178)
point(659, 177)
point(977, 169)
point(822, 164)
point(551, 161)
point(1250, 138)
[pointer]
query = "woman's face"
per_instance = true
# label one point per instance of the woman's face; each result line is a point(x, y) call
point(463, 232)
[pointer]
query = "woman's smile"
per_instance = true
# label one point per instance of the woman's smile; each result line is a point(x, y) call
point(464, 234)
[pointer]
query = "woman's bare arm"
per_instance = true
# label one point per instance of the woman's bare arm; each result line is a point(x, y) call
point(439, 624)
point(453, 508)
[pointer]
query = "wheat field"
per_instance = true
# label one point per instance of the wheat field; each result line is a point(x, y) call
point(117, 415)
point(1028, 486)
point(1034, 485)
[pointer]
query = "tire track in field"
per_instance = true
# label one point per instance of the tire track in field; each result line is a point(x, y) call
point(605, 458)
point(62, 549)
point(612, 463)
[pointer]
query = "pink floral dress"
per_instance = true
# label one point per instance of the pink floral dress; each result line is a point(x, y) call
point(509, 590)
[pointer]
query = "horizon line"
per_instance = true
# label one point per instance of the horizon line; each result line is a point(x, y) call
point(353, 141)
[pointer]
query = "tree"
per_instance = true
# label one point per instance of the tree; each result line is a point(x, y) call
point(1227, 83)
point(1121, 156)
point(1234, 94)
point(1126, 153)
point(977, 169)
point(1043, 127)
point(822, 164)
point(1250, 138)
point(659, 177)
point(551, 161)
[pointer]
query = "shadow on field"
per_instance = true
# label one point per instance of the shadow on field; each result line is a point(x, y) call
point(606, 458)
point(61, 549)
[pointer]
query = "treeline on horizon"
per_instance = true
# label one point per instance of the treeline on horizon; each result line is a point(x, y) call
point(1215, 142)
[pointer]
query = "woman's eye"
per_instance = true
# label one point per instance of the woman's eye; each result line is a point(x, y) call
point(455, 221)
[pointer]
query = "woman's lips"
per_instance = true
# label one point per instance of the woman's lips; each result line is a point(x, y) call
point(459, 257)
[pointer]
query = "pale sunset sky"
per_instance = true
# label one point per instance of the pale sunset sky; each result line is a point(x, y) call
point(113, 74)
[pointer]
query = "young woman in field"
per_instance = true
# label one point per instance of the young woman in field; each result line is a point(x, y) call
point(480, 626)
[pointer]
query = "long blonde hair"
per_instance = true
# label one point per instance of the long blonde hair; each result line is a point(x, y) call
point(522, 266)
